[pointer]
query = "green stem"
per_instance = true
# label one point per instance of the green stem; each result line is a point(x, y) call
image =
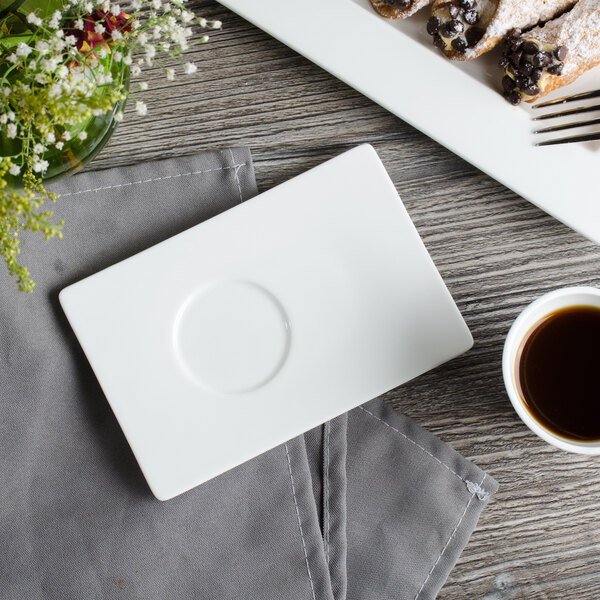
point(14, 7)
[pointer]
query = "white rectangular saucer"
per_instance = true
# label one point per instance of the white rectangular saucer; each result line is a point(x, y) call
point(265, 321)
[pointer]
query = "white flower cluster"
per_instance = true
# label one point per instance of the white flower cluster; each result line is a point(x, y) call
point(74, 51)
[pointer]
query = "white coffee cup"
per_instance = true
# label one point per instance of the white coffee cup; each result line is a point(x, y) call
point(529, 318)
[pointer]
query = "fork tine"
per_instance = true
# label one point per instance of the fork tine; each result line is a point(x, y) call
point(573, 98)
point(592, 137)
point(568, 126)
point(565, 113)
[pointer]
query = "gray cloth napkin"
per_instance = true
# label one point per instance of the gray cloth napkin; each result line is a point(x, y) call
point(366, 506)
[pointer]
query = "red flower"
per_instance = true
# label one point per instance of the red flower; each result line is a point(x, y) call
point(89, 38)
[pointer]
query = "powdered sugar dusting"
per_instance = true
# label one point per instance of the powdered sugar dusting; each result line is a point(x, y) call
point(579, 31)
point(512, 14)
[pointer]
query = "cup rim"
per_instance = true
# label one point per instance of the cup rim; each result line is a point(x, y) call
point(517, 332)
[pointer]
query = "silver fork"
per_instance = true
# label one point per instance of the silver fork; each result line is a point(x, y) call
point(589, 137)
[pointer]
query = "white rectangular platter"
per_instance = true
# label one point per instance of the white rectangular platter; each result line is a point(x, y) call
point(265, 321)
point(456, 104)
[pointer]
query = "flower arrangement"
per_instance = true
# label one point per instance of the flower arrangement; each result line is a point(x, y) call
point(66, 69)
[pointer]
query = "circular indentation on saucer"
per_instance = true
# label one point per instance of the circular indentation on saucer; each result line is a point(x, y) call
point(232, 336)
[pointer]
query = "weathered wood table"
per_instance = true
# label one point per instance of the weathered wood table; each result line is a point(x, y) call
point(540, 536)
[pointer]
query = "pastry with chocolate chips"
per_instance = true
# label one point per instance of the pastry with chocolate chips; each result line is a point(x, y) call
point(549, 57)
point(465, 29)
point(398, 9)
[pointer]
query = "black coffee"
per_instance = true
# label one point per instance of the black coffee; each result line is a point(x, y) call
point(558, 372)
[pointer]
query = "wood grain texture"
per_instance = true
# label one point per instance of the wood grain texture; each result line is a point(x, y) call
point(539, 538)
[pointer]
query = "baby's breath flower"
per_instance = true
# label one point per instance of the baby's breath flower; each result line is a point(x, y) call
point(127, 60)
point(54, 22)
point(59, 145)
point(78, 24)
point(66, 136)
point(88, 7)
point(3, 119)
point(216, 24)
point(170, 74)
point(12, 58)
point(6, 91)
point(50, 64)
point(117, 56)
point(203, 22)
point(34, 19)
point(116, 35)
point(40, 166)
point(11, 131)
point(99, 28)
point(82, 135)
point(38, 149)
point(62, 72)
point(141, 108)
point(135, 70)
point(14, 170)
point(136, 4)
point(189, 68)
point(50, 138)
point(115, 9)
point(143, 86)
point(156, 4)
point(187, 16)
point(142, 38)
point(150, 51)
point(23, 49)
point(102, 52)
point(42, 47)
point(11, 115)
point(118, 116)
point(71, 40)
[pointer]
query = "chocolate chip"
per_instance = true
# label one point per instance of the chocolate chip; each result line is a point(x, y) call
point(561, 52)
point(516, 44)
point(522, 81)
point(530, 47)
point(516, 57)
point(508, 83)
point(513, 97)
point(535, 75)
point(503, 62)
point(473, 36)
point(467, 4)
point(531, 90)
point(433, 25)
point(513, 70)
point(454, 11)
point(556, 69)
point(452, 28)
point(399, 3)
point(438, 42)
point(542, 59)
point(526, 68)
point(471, 17)
point(514, 34)
point(459, 44)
